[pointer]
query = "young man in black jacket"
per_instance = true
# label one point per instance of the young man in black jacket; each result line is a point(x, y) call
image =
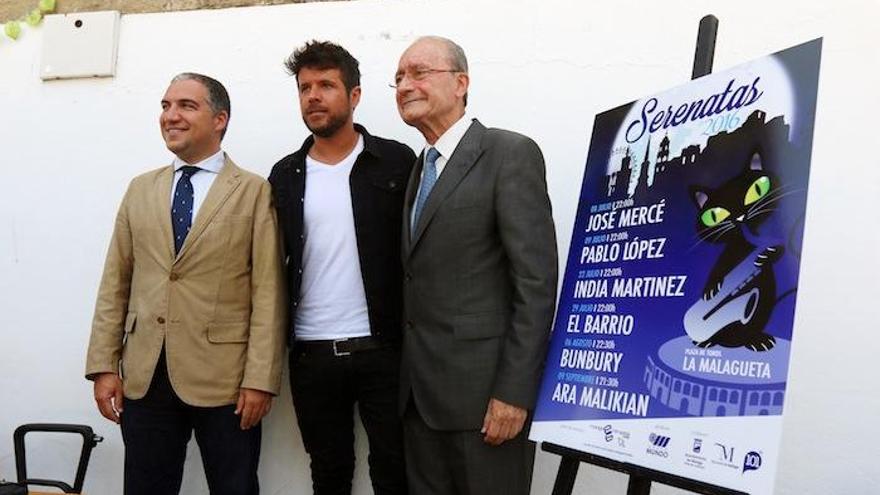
point(340, 202)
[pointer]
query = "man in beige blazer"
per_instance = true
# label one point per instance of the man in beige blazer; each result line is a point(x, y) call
point(189, 321)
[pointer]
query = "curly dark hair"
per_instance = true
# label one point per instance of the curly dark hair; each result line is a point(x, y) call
point(324, 55)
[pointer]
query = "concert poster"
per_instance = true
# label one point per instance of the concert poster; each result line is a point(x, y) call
point(671, 342)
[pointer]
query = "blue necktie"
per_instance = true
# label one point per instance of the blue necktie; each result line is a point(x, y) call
point(429, 178)
point(182, 206)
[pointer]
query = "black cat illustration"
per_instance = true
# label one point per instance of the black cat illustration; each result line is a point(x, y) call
point(740, 292)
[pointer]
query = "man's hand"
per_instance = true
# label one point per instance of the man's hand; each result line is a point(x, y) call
point(252, 406)
point(502, 422)
point(108, 395)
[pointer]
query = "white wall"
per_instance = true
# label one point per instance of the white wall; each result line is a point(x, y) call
point(545, 68)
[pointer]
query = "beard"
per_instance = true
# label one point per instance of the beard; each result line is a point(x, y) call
point(328, 128)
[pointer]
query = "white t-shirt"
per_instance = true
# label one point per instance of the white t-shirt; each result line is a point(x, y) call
point(333, 304)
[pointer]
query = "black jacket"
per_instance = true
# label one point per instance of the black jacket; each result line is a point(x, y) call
point(378, 180)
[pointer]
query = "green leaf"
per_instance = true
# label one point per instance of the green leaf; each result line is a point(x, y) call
point(34, 17)
point(47, 6)
point(13, 29)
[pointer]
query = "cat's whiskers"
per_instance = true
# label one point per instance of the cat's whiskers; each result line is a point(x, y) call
point(781, 188)
point(765, 211)
point(767, 201)
point(720, 231)
point(780, 192)
point(777, 192)
point(701, 236)
point(708, 233)
point(705, 233)
point(723, 226)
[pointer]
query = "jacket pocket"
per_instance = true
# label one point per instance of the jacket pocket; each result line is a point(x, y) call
point(478, 326)
point(228, 333)
point(390, 184)
point(128, 328)
point(130, 320)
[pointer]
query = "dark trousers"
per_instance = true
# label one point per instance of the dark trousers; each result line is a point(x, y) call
point(461, 463)
point(157, 428)
point(325, 388)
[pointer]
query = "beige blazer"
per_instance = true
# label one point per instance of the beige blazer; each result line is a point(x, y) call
point(218, 305)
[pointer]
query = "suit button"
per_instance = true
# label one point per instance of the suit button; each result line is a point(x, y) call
point(408, 277)
point(174, 276)
point(160, 320)
point(409, 325)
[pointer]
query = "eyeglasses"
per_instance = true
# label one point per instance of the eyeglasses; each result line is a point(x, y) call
point(416, 74)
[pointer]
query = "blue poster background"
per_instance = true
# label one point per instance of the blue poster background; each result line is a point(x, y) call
point(628, 351)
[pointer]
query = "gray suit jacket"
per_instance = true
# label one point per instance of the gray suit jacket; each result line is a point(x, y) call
point(480, 274)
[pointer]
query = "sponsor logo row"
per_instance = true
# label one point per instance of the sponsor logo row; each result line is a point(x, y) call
point(699, 450)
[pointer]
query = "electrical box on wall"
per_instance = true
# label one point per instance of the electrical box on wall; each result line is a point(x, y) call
point(80, 45)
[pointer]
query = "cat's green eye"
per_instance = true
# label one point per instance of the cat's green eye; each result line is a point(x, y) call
point(714, 216)
point(757, 190)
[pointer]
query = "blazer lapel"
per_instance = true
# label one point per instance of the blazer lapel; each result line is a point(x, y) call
point(465, 156)
point(409, 199)
point(225, 183)
point(163, 208)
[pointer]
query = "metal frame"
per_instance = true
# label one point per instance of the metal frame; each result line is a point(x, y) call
point(90, 440)
point(704, 55)
point(640, 478)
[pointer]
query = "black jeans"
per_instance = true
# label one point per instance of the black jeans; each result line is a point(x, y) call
point(325, 388)
point(157, 428)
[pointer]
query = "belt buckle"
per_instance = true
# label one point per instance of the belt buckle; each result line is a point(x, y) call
point(337, 352)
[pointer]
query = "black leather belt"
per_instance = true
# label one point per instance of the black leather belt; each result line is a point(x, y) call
point(339, 347)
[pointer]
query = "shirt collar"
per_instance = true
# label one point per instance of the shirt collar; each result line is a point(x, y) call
point(370, 145)
point(211, 164)
point(447, 143)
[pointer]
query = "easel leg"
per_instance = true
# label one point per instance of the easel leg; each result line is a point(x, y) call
point(568, 470)
point(638, 485)
point(705, 52)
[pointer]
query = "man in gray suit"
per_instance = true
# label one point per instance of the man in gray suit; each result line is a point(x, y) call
point(479, 255)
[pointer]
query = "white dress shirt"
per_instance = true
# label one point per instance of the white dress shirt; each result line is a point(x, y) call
point(445, 145)
point(201, 180)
